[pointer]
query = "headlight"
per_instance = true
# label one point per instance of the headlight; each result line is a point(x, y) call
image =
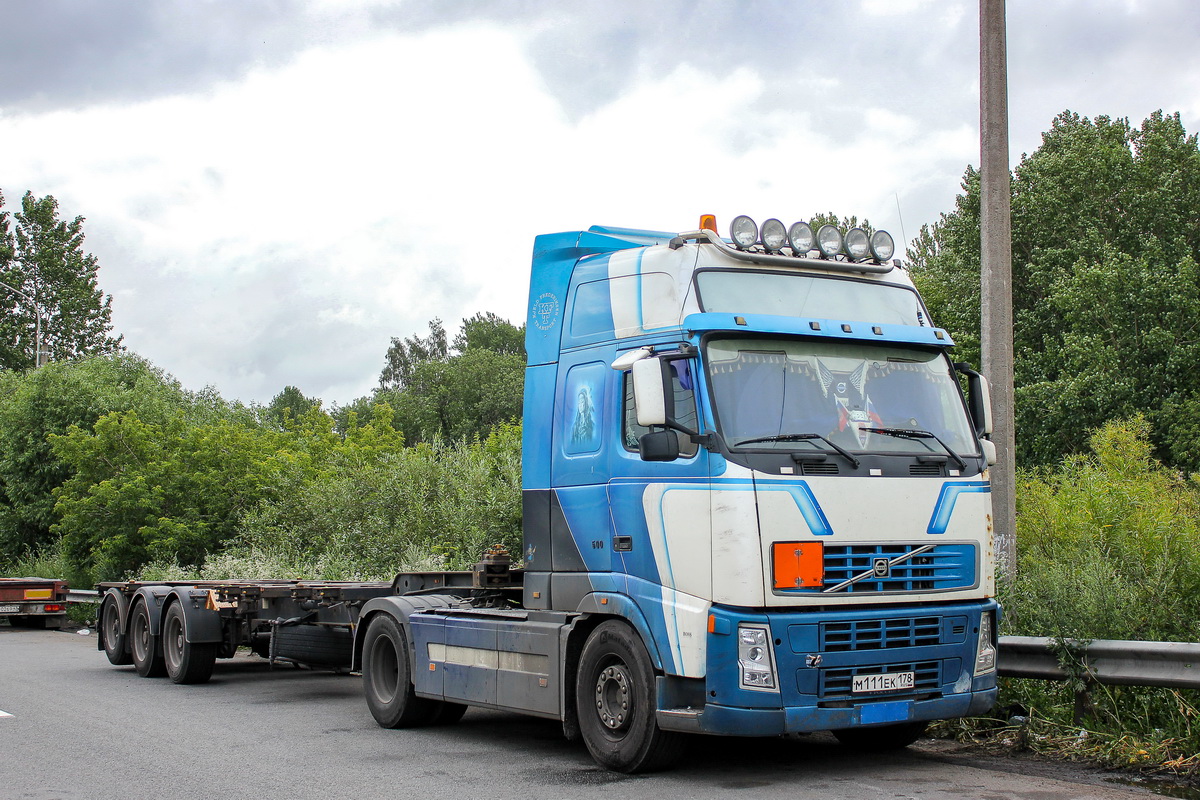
point(829, 241)
point(985, 652)
point(858, 244)
point(800, 235)
point(755, 657)
point(743, 231)
point(882, 246)
point(774, 235)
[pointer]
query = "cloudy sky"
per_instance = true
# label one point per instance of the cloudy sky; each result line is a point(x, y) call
point(276, 188)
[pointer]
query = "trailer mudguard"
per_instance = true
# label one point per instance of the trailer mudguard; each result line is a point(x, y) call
point(201, 624)
point(113, 595)
point(400, 607)
point(155, 599)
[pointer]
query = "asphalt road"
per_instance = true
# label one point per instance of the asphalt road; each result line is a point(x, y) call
point(81, 728)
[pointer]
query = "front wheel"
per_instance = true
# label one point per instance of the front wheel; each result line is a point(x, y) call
point(614, 693)
point(145, 648)
point(387, 677)
point(886, 737)
point(185, 662)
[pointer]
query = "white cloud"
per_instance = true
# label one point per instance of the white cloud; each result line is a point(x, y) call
point(280, 227)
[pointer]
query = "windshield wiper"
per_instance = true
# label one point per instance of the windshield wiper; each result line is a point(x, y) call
point(914, 433)
point(803, 437)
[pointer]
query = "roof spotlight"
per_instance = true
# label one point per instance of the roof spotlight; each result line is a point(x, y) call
point(882, 246)
point(774, 235)
point(858, 244)
point(800, 235)
point(829, 241)
point(743, 231)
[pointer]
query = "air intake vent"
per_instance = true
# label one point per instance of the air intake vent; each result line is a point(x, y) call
point(819, 469)
point(925, 469)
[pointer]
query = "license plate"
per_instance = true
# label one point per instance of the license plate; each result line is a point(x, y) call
point(886, 682)
point(10, 609)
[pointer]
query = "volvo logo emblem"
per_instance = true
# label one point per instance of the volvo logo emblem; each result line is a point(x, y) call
point(881, 567)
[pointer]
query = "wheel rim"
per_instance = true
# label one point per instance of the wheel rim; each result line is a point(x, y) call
point(112, 627)
point(173, 642)
point(385, 669)
point(614, 700)
point(141, 636)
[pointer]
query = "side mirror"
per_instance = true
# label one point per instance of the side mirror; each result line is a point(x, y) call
point(651, 379)
point(979, 399)
point(659, 445)
point(989, 451)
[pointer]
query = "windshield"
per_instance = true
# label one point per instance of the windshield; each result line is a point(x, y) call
point(799, 295)
point(864, 398)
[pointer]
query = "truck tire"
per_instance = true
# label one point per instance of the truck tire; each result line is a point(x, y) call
point(145, 648)
point(886, 737)
point(185, 662)
point(115, 645)
point(315, 645)
point(387, 677)
point(614, 695)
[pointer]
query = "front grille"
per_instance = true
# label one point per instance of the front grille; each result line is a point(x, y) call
point(880, 634)
point(925, 469)
point(836, 683)
point(946, 566)
point(819, 468)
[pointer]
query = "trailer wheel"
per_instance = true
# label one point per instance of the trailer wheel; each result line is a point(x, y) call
point(887, 737)
point(185, 662)
point(145, 648)
point(387, 677)
point(114, 640)
point(614, 694)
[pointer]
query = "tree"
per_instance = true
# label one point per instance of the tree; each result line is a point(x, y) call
point(1106, 291)
point(64, 395)
point(438, 392)
point(488, 331)
point(405, 354)
point(42, 257)
point(290, 404)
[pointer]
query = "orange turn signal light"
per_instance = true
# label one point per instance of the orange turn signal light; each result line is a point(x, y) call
point(798, 565)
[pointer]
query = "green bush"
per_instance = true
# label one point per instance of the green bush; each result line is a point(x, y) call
point(1108, 547)
point(374, 510)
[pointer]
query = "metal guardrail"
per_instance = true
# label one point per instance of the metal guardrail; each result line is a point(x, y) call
point(1174, 665)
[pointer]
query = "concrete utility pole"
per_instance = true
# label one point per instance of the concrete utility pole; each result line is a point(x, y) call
point(996, 273)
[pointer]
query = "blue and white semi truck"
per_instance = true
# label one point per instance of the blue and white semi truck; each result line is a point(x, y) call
point(756, 502)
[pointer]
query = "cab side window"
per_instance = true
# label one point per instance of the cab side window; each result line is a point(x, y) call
point(685, 409)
